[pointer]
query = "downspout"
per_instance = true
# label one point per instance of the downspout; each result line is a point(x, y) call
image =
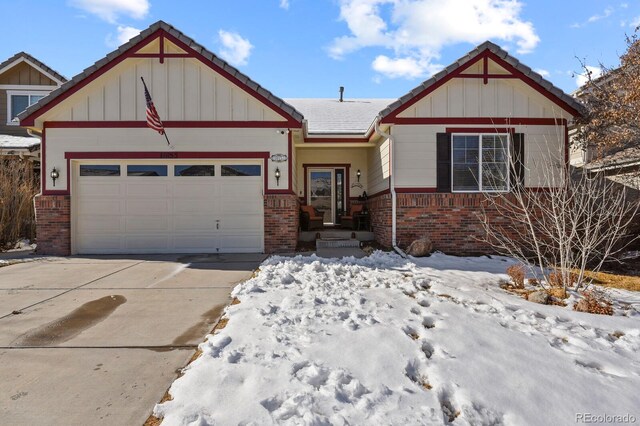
point(392, 186)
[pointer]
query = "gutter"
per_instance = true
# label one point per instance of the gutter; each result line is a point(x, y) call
point(392, 186)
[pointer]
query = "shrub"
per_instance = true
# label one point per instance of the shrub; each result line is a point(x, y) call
point(557, 279)
point(17, 189)
point(516, 273)
point(594, 301)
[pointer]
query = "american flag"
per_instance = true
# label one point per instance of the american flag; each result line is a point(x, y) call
point(153, 119)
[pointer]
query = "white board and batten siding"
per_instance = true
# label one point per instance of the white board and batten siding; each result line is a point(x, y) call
point(462, 98)
point(181, 88)
point(164, 214)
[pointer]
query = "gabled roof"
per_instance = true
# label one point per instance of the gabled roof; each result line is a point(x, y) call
point(503, 58)
point(28, 116)
point(330, 116)
point(24, 56)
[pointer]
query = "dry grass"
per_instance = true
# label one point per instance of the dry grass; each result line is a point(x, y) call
point(17, 189)
point(625, 282)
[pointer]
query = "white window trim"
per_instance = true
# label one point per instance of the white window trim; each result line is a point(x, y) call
point(11, 93)
point(480, 135)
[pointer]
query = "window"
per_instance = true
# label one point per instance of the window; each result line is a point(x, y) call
point(480, 163)
point(195, 170)
point(19, 101)
point(241, 170)
point(99, 170)
point(146, 170)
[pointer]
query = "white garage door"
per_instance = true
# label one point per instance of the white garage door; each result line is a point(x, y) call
point(167, 207)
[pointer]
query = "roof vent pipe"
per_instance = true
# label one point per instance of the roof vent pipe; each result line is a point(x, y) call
point(341, 93)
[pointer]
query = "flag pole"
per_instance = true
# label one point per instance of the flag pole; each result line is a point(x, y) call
point(146, 91)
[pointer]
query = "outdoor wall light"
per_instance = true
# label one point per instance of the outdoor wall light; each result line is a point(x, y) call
point(55, 174)
point(358, 174)
point(278, 176)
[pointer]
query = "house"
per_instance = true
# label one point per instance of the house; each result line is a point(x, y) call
point(242, 160)
point(24, 80)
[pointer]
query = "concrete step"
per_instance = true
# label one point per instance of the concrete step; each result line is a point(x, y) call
point(336, 242)
point(336, 233)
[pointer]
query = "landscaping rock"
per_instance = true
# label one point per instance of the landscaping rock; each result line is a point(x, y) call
point(420, 248)
point(540, 296)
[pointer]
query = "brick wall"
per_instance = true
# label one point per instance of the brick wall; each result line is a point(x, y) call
point(281, 221)
point(53, 225)
point(449, 220)
point(380, 213)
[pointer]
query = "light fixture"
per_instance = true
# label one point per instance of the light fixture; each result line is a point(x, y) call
point(278, 176)
point(358, 174)
point(55, 174)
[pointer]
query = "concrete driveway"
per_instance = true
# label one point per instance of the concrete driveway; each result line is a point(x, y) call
point(98, 340)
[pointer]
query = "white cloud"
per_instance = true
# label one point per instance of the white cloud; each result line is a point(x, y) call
point(594, 18)
point(582, 79)
point(635, 22)
point(543, 72)
point(417, 30)
point(110, 10)
point(284, 4)
point(407, 67)
point(124, 34)
point(235, 49)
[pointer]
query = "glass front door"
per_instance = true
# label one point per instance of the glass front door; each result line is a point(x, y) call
point(321, 184)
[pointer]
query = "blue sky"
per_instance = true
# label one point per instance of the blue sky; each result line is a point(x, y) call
point(308, 48)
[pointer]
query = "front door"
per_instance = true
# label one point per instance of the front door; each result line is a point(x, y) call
point(326, 192)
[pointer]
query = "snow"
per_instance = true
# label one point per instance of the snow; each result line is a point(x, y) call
point(386, 340)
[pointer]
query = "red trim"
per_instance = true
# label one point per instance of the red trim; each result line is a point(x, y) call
point(422, 190)
point(162, 48)
point(162, 155)
point(485, 70)
point(379, 193)
point(30, 119)
point(169, 124)
point(231, 78)
point(514, 121)
point(166, 55)
point(290, 161)
point(486, 77)
point(553, 98)
point(480, 130)
point(566, 145)
point(43, 161)
point(347, 183)
point(392, 116)
point(337, 139)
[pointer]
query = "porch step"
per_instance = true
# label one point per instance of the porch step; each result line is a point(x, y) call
point(343, 234)
point(336, 242)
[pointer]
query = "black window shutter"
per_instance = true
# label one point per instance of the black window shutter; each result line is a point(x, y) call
point(517, 154)
point(443, 161)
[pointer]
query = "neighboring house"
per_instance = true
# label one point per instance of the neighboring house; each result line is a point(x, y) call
point(24, 80)
point(242, 160)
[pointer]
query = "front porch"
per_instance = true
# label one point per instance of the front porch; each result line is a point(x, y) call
point(335, 234)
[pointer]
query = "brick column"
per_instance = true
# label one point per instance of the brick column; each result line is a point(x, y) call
point(380, 214)
point(281, 222)
point(53, 224)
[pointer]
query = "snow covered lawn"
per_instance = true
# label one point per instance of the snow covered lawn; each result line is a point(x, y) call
point(384, 340)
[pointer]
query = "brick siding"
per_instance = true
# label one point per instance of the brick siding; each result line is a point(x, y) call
point(449, 220)
point(380, 213)
point(281, 223)
point(53, 224)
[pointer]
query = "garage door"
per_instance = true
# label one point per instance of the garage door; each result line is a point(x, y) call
point(167, 207)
